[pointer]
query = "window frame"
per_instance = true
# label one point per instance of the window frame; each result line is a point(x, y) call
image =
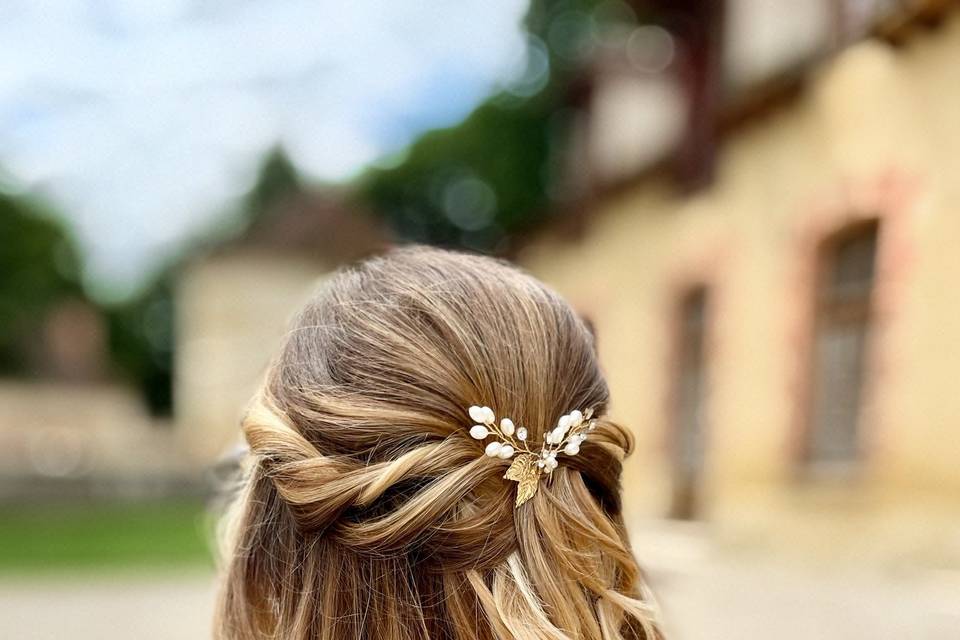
point(694, 505)
point(824, 261)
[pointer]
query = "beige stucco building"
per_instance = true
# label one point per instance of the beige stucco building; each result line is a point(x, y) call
point(785, 343)
point(234, 304)
point(232, 311)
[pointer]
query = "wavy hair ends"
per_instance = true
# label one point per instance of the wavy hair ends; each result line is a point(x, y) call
point(367, 511)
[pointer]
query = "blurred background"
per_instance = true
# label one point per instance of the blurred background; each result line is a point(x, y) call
point(755, 202)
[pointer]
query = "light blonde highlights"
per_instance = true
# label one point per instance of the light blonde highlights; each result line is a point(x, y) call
point(368, 512)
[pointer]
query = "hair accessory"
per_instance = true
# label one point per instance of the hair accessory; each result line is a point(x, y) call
point(511, 442)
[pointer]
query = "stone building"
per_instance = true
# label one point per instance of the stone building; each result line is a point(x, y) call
point(72, 430)
point(775, 292)
point(234, 303)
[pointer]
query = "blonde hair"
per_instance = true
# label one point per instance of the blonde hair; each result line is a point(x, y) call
point(367, 510)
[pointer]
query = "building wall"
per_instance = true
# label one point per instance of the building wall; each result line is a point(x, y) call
point(68, 430)
point(232, 311)
point(874, 135)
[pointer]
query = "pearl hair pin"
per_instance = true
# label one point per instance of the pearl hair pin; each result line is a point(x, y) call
point(510, 442)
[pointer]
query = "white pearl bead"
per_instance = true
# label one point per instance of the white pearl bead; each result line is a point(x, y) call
point(572, 448)
point(479, 432)
point(564, 423)
point(506, 426)
point(506, 451)
point(477, 414)
point(522, 433)
point(576, 418)
point(493, 449)
point(489, 416)
point(558, 435)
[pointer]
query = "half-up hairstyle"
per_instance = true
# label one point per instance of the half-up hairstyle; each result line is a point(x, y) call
point(368, 512)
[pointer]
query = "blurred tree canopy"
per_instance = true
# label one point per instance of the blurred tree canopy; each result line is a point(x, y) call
point(277, 180)
point(480, 183)
point(39, 266)
point(141, 339)
point(41, 269)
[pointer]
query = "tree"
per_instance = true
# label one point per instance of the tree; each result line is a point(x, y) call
point(141, 341)
point(481, 183)
point(277, 181)
point(39, 266)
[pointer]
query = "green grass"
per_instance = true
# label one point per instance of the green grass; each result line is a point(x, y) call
point(104, 536)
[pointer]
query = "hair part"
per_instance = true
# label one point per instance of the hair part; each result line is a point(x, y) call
point(367, 511)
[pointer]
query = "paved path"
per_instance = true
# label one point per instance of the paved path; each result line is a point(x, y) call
point(703, 599)
point(708, 595)
point(728, 602)
point(125, 607)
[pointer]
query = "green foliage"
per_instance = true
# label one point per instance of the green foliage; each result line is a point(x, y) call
point(277, 180)
point(481, 183)
point(142, 341)
point(472, 185)
point(39, 266)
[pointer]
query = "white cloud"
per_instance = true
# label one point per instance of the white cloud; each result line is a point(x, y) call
point(142, 118)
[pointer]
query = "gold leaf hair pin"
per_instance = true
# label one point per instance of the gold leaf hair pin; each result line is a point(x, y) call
point(511, 442)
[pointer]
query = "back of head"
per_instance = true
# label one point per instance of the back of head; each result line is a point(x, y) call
point(368, 511)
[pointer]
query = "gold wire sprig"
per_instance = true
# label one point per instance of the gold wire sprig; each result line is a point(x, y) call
point(528, 465)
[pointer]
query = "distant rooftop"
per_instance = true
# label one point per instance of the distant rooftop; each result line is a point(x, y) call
point(319, 224)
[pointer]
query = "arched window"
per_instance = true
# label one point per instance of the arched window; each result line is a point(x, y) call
point(846, 273)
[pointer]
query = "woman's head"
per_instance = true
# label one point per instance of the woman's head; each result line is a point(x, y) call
point(368, 511)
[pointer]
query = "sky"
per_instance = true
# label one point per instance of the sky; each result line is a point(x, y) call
point(141, 121)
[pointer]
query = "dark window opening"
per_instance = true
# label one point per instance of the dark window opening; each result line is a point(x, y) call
point(842, 330)
point(690, 406)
